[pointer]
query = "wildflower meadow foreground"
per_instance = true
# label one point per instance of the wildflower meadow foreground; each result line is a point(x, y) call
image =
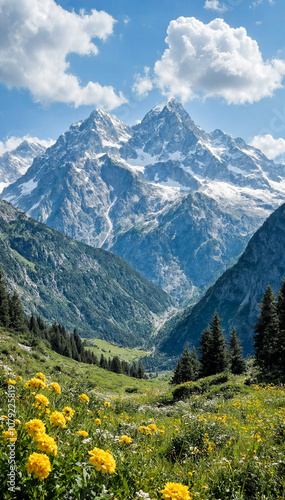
point(214, 439)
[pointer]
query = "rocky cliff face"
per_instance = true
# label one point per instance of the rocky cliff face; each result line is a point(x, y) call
point(179, 204)
point(13, 164)
point(237, 293)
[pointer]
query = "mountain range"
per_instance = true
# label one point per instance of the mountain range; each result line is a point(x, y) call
point(178, 203)
point(15, 163)
point(77, 285)
point(237, 293)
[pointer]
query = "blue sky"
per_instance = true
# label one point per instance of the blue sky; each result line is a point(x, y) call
point(225, 60)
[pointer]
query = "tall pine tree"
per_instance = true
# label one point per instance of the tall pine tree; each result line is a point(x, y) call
point(267, 333)
point(237, 363)
point(281, 337)
point(4, 303)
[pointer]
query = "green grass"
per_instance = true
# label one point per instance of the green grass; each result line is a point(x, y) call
point(99, 346)
point(40, 358)
point(219, 437)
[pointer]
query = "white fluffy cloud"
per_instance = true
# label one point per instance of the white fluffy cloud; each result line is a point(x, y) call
point(13, 142)
point(271, 147)
point(143, 83)
point(215, 5)
point(215, 60)
point(36, 36)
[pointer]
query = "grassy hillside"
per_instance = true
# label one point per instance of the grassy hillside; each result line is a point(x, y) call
point(222, 437)
point(79, 286)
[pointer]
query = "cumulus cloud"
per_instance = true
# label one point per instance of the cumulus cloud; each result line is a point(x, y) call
point(143, 83)
point(271, 147)
point(35, 39)
point(215, 5)
point(13, 142)
point(215, 60)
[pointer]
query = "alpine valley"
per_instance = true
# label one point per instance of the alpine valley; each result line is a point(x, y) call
point(76, 285)
point(177, 203)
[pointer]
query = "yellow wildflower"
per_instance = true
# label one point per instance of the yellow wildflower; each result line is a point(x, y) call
point(41, 400)
point(82, 433)
point(11, 381)
point(46, 443)
point(97, 421)
point(56, 387)
point(68, 413)
point(176, 491)
point(84, 398)
point(57, 418)
point(35, 383)
point(10, 435)
point(19, 378)
point(107, 404)
point(39, 465)
point(102, 460)
point(125, 439)
point(41, 376)
point(35, 426)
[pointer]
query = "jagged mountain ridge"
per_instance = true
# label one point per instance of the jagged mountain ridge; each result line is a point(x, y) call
point(77, 285)
point(13, 164)
point(237, 293)
point(176, 202)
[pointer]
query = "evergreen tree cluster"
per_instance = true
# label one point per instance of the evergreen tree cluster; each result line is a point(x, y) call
point(117, 366)
point(56, 337)
point(215, 355)
point(269, 338)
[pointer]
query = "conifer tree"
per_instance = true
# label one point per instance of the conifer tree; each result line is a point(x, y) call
point(195, 364)
point(177, 376)
point(205, 351)
point(4, 303)
point(280, 361)
point(219, 357)
point(141, 370)
point(133, 371)
point(186, 365)
point(34, 326)
point(266, 333)
point(17, 317)
point(116, 365)
point(237, 363)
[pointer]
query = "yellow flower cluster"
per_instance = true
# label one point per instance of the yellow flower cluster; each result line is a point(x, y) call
point(41, 400)
point(102, 460)
point(39, 465)
point(82, 433)
point(97, 421)
point(68, 413)
point(10, 435)
point(84, 398)
point(41, 376)
point(56, 387)
point(150, 429)
point(11, 381)
point(125, 439)
point(46, 443)
point(35, 383)
point(176, 491)
point(107, 404)
point(57, 418)
point(35, 426)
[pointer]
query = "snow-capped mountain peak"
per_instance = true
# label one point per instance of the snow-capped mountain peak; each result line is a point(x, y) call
point(178, 203)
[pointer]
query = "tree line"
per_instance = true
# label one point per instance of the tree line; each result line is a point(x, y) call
point(216, 355)
point(269, 338)
point(56, 337)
